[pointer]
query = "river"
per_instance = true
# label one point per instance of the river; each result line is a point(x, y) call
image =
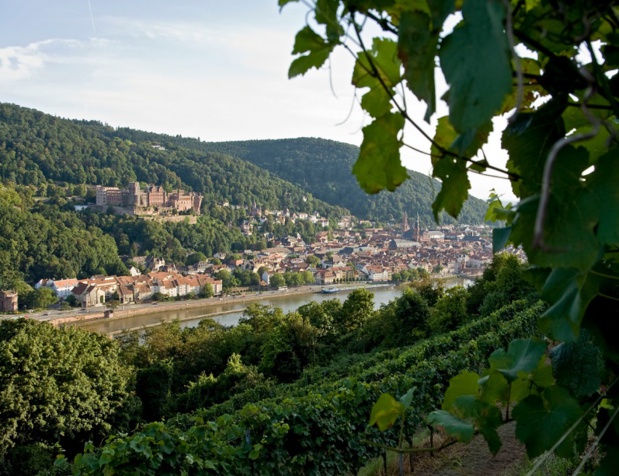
point(229, 312)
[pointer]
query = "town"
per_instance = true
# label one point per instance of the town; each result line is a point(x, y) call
point(348, 253)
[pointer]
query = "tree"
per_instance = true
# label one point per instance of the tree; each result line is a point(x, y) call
point(356, 310)
point(276, 280)
point(523, 59)
point(58, 385)
point(207, 291)
point(40, 298)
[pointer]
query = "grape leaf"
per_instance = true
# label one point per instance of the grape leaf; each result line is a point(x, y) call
point(407, 398)
point(500, 237)
point(542, 420)
point(456, 427)
point(418, 44)
point(378, 71)
point(464, 145)
point(523, 355)
point(467, 415)
point(378, 166)
point(494, 388)
point(603, 197)
point(570, 218)
point(528, 139)
point(477, 91)
point(465, 383)
point(308, 41)
point(570, 291)
point(578, 365)
point(455, 186)
point(385, 412)
point(440, 9)
point(326, 14)
point(381, 60)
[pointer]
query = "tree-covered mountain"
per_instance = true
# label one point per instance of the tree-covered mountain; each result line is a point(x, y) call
point(323, 167)
point(37, 148)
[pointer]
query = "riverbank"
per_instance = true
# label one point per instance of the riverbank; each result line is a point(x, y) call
point(79, 317)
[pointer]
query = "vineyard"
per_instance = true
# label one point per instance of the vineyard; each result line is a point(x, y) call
point(319, 424)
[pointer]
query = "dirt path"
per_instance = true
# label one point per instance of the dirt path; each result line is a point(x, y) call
point(475, 459)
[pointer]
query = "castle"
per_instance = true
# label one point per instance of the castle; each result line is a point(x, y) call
point(153, 200)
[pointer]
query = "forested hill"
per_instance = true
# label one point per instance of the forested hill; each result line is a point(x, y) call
point(37, 149)
point(323, 167)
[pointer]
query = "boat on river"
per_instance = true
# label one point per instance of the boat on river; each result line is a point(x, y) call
point(329, 290)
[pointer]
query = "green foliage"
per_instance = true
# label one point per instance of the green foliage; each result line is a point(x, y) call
point(323, 168)
point(561, 141)
point(578, 366)
point(356, 310)
point(47, 242)
point(58, 385)
point(315, 428)
point(153, 385)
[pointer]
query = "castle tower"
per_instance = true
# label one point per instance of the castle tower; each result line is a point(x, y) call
point(417, 230)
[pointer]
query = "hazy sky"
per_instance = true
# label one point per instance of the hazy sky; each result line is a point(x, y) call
point(216, 70)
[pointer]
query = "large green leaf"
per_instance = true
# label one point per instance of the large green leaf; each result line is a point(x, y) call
point(455, 186)
point(528, 140)
point(317, 49)
point(380, 62)
point(418, 44)
point(326, 14)
point(523, 355)
point(486, 418)
point(386, 411)
point(379, 70)
point(464, 145)
point(578, 365)
point(475, 59)
point(500, 238)
point(378, 166)
point(603, 197)
point(455, 427)
point(570, 218)
point(465, 383)
point(467, 412)
point(542, 420)
point(569, 291)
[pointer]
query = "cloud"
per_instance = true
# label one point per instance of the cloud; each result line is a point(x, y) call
point(19, 63)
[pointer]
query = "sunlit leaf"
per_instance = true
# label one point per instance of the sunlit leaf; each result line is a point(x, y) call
point(465, 383)
point(317, 49)
point(386, 411)
point(455, 186)
point(378, 166)
point(418, 44)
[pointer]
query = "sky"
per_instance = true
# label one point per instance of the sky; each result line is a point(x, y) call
point(215, 70)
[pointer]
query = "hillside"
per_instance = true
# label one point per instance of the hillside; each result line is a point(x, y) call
point(304, 174)
point(37, 149)
point(323, 167)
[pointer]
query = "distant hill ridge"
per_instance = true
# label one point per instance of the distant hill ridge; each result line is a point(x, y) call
point(37, 148)
point(324, 168)
point(304, 174)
